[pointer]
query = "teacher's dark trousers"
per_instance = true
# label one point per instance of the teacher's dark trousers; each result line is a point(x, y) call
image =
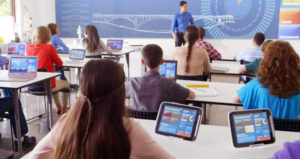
point(180, 38)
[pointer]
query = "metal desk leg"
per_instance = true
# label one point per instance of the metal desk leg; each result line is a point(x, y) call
point(47, 86)
point(127, 61)
point(17, 117)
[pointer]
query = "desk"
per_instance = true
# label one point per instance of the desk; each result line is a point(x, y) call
point(225, 92)
point(124, 52)
point(15, 86)
point(231, 68)
point(74, 64)
point(214, 142)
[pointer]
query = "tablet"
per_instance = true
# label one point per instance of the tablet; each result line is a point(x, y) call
point(178, 120)
point(251, 127)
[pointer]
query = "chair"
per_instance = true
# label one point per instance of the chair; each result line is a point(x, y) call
point(3, 153)
point(38, 90)
point(142, 115)
point(287, 124)
point(203, 77)
point(244, 78)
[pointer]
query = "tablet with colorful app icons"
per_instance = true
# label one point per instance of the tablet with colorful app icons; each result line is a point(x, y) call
point(251, 127)
point(178, 120)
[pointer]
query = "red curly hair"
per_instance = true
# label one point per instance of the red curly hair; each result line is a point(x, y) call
point(279, 70)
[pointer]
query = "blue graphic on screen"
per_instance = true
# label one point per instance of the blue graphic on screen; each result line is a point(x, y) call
point(177, 121)
point(23, 65)
point(77, 54)
point(252, 128)
point(168, 70)
point(142, 19)
point(16, 49)
point(115, 44)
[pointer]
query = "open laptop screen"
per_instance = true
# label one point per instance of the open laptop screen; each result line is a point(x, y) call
point(77, 54)
point(168, 69)
point(115, 45)
point(16, 49)
point(23, 65)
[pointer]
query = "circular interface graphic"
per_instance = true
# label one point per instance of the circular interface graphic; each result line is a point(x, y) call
point(246, 17)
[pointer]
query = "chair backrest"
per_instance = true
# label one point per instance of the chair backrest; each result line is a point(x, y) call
point(38, 87)
point(287, 124)
point(142, 115)
point(93, 56)
point(203, 77)
point(243, 62)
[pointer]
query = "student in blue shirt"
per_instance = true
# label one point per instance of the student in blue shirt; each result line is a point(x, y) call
point(249, 55)
point(55, 40)
point(277, 86)
point(180, 21)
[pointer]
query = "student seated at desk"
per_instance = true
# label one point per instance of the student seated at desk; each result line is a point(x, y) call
point(253, 53)
point(253, 66)
point(212, 52)
point(55, 40)
point(47, 58)
point(7, 105)
point(97, 126)
point(149, 91)
point(192, 61)
point(289, 151)
point(92, 42)
point(277, 86)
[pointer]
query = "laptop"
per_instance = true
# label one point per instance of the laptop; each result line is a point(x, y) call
point(14, 49)
point(21, 69)
point(115, 45)
point(168, 69)
point(77, 55)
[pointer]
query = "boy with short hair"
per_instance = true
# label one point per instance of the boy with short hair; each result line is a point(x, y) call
point(149, 91)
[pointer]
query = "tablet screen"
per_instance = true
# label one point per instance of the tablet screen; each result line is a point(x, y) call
point(251, 128)
point(168, 69)
point(177, 121)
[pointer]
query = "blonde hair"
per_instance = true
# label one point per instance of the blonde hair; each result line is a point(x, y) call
point(41, 35)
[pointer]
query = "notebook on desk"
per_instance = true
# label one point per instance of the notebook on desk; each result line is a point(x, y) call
point(16, 49)
point(202, 90)
point(115, 45)
point(21, 69)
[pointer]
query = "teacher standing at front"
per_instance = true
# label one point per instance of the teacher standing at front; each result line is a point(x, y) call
point(180, 21)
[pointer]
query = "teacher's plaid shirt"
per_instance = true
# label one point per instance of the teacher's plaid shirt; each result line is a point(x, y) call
point(212, 52)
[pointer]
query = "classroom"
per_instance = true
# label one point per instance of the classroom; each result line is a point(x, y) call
point(137, 79)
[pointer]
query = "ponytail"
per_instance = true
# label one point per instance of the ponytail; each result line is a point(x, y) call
point(192, 37)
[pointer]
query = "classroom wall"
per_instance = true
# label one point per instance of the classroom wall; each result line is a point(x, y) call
point(43, 12)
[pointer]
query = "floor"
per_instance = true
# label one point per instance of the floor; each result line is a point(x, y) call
point(33, 106)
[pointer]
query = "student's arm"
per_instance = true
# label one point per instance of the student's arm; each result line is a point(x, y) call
point(236, 98)
point(59, 42)
point(104, 47)
point(214, 53)
point(55, 58)
point(3, 61)
point(143, 146)
point(243, 70)
point(192, 95)
point(206, 64)
point(173, 27)
point(127, 90)
point(289, 151)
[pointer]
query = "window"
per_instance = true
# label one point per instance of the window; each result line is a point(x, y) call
point(6, 20)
